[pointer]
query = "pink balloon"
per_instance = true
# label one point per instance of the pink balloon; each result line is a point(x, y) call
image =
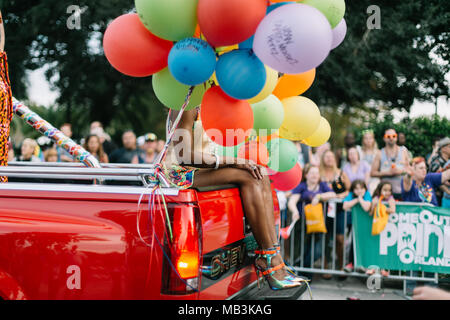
point(293, 38)
point(339, 33)
point(285, 181)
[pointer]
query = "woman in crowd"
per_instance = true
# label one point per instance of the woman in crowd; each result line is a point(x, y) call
point(27, 151)
point(355, 169)
point(367, 152)
point(93, 145)
point(358, 195)
point(338, 181)
point(310, 191)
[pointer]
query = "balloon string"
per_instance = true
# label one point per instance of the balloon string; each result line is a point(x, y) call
point(156, 203)
point(176, 123)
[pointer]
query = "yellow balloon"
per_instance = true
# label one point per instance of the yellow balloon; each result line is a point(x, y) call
point(301, 118)
point(271, 83)
point(222, 50)
point(321, 135)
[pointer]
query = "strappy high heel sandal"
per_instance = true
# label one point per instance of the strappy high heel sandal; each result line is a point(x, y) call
point(269, 272)
point(291, 274)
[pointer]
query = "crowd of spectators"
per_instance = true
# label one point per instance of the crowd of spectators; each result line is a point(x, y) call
point(134, 150)
point(360, 175)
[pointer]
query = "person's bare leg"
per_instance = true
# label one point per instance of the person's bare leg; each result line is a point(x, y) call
point(257, 206)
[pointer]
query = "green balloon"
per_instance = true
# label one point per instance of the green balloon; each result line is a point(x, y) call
point(172, 93)
point(268, 115)
point(283, 154)
point(172, 20)
point(231, 152)
point(334, 10)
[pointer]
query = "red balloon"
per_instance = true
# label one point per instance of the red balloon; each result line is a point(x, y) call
point(227, 121)
point(228, 22)
point(132, 49)
point(255, 151)
point(285, 181)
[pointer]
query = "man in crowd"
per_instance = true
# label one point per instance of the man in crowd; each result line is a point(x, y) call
point(130, 152)
point(389, 163)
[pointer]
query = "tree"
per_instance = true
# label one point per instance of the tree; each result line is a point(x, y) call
point(406, 59)
point(38, 34)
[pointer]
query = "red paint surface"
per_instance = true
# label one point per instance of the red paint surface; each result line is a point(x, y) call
point(42, 234)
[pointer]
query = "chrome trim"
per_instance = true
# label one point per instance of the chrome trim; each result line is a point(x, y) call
point(84, 188)
point(77, 173)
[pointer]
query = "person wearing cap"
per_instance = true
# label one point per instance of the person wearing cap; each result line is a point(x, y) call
point(443, 155)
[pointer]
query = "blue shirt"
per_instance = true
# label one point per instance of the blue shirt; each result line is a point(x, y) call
point(366, 197)
point(426, 192)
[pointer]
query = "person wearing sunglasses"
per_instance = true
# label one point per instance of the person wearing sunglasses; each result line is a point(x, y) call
point(389, 163)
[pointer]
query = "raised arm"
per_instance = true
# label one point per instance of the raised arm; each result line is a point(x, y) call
point(445, 176)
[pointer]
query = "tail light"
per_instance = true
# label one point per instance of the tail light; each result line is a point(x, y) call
point(181, 268)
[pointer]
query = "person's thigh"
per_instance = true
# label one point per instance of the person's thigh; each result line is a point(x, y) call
point(213, 177)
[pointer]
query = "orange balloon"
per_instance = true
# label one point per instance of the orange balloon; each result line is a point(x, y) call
point(290, 85)
point(197, 32)
point(265, 139)
point(227, 121)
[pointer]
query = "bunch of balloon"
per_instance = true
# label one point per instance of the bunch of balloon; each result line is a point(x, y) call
point(245, 62)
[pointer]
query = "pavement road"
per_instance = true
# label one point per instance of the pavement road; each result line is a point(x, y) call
point(353, 287)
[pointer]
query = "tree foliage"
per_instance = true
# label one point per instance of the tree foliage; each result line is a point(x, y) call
point(420, 132)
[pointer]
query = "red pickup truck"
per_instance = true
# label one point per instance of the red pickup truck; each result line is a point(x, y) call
point(70, 232)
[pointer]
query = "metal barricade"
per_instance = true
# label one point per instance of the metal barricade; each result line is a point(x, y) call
point(323, 251)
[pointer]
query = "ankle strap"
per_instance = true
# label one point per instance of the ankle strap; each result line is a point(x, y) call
point(271, 270)
point(270, 251)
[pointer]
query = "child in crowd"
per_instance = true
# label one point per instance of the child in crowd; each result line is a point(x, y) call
point(358, 195)
point(383, 192)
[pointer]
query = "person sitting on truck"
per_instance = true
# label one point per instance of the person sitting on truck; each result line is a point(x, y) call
point(194, 165)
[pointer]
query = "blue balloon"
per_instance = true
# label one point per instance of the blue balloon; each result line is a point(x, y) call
point(247, 44)
point(275, 5)
point(241, 74)
point(192, 61)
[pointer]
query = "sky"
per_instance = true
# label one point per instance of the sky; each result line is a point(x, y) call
point(40, 93)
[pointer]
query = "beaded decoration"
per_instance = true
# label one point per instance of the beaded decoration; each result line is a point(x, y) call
point(6, 111)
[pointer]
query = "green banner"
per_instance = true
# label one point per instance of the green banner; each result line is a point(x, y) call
point(417, 237)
